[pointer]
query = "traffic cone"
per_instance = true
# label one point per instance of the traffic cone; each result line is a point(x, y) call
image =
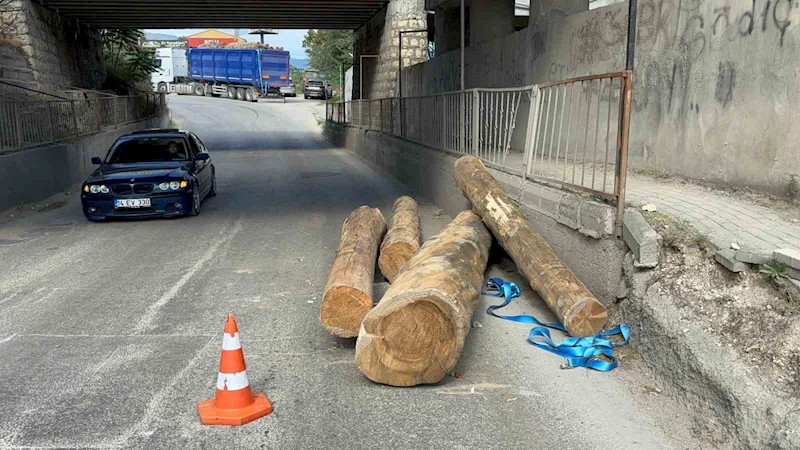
point(234, 403)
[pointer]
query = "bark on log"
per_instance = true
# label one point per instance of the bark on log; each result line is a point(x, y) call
point(402, 240)
point(348, 293)
point(416, 332)
point(576, 308)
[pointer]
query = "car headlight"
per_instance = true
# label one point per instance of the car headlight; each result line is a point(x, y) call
point(104, 189)
point(99, 188)
point(174, 185)
point(163, 186)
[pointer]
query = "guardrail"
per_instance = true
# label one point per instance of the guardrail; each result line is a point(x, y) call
point(576, 136)
point(26, 124)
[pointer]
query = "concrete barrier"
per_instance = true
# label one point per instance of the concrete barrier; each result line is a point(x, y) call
point(36, 173)
point(580, 230)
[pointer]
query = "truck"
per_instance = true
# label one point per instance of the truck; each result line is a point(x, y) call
point(172, 68)
point(241, 74)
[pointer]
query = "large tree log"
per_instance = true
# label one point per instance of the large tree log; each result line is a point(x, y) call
point(416, 333)
point(348, 293)
point(576, 308)
point(402, 239)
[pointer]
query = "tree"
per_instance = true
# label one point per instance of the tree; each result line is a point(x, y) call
point(124, 56)
point(327, 50)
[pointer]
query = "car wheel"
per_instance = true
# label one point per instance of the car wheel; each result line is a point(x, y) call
point(195, 207)
point(213, 191)
point(305, 97)
point(231, 92)
point(240, 94)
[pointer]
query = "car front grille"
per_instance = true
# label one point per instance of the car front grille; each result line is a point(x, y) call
point(143, 188)
point(138, 188)
point(122, 189)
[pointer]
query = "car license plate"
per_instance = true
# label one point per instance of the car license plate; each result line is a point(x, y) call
point(132, 203)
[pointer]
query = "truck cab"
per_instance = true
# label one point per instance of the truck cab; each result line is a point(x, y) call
point(172, 68)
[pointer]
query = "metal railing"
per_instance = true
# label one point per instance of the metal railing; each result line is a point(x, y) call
point(576, 135)
point(26, 124)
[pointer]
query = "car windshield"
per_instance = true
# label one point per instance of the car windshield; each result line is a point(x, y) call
point(151, 149)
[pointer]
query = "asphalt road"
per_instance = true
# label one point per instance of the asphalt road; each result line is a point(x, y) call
point(111, 333)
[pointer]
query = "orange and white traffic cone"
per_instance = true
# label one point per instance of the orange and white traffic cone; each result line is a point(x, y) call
point(234, 403)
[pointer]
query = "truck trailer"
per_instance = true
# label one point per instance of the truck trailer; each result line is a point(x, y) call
point(241, 74)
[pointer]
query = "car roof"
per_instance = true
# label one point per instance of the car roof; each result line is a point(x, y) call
point(157, 132)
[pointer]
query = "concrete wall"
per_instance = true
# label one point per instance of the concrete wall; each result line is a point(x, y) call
point(60, 52)
point(37, 173)
point(380, 36)
point(579, 230)
point(714, 84)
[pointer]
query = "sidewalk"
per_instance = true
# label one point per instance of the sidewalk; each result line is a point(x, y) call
point(725, 217)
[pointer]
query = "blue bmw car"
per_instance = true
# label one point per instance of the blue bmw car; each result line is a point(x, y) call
point(151, 173)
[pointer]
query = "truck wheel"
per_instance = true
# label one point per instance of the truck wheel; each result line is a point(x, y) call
point(198, 89)
point(231, 92)
point(162, 87)
point(250, 95)
point(239, 94)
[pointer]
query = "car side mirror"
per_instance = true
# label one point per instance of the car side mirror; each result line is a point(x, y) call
point(96, 160)
point(202, 157)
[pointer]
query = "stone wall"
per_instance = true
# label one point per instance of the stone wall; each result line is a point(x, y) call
point(714, 83)
point(59, 52)
point(380, 36)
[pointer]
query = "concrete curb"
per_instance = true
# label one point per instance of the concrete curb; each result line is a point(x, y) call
point(705, 375)
point(641, 238)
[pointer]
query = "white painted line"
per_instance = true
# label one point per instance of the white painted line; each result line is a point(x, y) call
point(152, 311)
point(7, 338)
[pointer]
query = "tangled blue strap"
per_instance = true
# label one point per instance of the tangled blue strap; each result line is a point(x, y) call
point(578, 352)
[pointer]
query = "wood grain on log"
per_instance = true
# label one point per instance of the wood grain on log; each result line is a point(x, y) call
point(402, 239)
point(572, 303)
point(348, 293)
point(416, 332)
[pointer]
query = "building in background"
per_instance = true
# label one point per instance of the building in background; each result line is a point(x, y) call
point(214, 36)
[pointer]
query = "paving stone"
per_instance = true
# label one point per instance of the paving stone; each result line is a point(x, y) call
point(728, 260)
point(793, 273)
point(788, 256)
point(753, 256)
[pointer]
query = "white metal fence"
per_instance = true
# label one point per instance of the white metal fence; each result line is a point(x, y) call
point(26, 124)
point(576, 136)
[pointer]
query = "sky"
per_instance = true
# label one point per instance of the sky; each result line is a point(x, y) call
point(290, 40)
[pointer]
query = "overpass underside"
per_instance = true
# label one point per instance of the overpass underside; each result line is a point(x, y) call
point(282, 14)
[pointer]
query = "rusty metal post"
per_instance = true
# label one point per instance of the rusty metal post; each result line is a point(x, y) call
point(622, 155)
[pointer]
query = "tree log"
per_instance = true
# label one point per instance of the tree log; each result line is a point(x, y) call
point(416, 332)
point(348, 293)
point(576, 308)
point(403, 238)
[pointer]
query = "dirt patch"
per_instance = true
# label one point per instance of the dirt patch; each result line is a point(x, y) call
point(756, 315)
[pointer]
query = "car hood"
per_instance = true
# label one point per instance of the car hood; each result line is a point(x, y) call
point(141, 171)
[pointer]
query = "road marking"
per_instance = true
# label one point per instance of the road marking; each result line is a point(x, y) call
point(152, 311)
point(8, 338)
point(155, 402)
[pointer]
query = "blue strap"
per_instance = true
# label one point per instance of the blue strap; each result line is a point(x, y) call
point(578, 352)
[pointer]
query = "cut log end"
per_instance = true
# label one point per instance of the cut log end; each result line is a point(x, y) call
point(343, 308)
point(587, 318)
point(410, 345)
point(393, 257)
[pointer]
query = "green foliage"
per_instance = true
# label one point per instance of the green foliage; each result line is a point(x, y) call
point(327, 50)
point(773, 270)
point(125, 58)
point(297, 77)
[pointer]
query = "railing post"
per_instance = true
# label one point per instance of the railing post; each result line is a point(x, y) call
point(52, 121)
point(74, 118)
point(462, 121)
point(476, 117)
point(622, 155)
point(18, 125)
point(380, 103)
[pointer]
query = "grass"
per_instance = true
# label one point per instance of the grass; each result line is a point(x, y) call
point(773, 270)
point(794, 188)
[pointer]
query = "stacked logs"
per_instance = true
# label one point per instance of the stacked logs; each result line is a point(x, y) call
point(416, 332)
